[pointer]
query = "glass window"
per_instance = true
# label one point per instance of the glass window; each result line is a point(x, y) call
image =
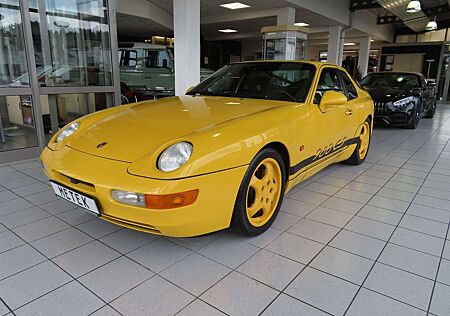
point(156, 59)
point(17, 128)
point(329, 81)
point(71, 41)
point(13, 62)
point(351, 90)
point(127, 58)
point(274, 81)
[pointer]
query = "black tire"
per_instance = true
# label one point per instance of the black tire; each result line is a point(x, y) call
point(239, 221)
point(430, 113)
point(355, 158)
point(414, 121)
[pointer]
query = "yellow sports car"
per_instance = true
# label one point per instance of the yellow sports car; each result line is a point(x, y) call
point(223, 155)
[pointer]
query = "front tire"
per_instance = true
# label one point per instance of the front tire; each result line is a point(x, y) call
point(260, 194)
point(362, 148)
point(414, 122)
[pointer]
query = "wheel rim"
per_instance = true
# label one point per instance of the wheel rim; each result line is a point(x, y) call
point(264, 192)
point(364, 139)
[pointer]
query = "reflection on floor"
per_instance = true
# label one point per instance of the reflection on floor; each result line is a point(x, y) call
point(17, 137)
point(354, 240)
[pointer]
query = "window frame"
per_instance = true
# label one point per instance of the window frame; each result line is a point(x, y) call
point(159, 51)
point(336, 70)
point(341, 74)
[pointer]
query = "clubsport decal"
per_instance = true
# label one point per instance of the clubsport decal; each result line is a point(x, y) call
point(323, 153)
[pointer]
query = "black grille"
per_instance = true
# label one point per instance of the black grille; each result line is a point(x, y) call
point(381, 108)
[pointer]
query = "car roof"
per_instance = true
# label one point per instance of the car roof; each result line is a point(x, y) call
point(137, 45)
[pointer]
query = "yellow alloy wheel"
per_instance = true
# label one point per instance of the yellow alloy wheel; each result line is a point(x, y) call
point(264, 192)
point(364, 139)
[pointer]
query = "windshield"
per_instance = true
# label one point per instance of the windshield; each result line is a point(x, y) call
point(394, 80)
point(264, 80)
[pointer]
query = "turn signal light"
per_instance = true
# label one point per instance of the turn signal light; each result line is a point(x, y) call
point(168, 201)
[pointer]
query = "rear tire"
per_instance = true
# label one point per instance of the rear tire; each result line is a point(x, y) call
point(260, 194)
point(362, 148)
point(432, 111)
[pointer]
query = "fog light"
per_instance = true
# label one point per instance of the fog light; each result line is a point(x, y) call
point(130, 198)
point(168, 201)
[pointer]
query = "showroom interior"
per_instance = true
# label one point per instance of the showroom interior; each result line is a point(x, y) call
point(370, 238)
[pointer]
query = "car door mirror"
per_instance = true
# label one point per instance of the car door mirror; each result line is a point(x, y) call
point(190, 89)
point(165, 64)
point(332, 98)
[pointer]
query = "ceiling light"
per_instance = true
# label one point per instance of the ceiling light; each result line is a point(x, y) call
point(301, 24)
point(349, 44)
point(431, 26)
point(372, 40)
point(228, 31)
point(235, 5)
point(413, 7)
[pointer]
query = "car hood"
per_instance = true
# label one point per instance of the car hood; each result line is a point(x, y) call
point(387, 94)
point(137, 130)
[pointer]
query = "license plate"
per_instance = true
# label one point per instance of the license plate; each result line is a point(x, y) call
point(76, 198)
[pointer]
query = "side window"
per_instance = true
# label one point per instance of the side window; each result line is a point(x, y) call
point(157, 59)
point(127, 58)
point(329, 81)
point(351, 90)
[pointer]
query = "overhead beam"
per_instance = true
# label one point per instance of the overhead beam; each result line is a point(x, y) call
point(238, 16)
point(363, 5)
point(147, 10)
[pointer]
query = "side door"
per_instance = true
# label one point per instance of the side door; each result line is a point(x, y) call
point(352, 114)
point(330, 125)
point(158, 73)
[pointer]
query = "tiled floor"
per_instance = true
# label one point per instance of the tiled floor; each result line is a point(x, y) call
point(365, 240)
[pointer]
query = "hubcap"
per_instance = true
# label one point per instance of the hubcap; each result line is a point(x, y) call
point(364, 139)
point(264, 192)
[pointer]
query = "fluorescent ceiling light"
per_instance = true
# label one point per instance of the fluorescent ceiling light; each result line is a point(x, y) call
point(235, 5)
point(372, 40)
point(228, 31)
point(301, 24)
point(431, 26)
point(349, 44)
point(413, 7)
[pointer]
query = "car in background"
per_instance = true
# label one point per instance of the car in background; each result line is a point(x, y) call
point(223, 155)
point(401, 98)
point(147, 70)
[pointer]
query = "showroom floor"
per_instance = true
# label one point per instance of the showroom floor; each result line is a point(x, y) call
point(365, 240)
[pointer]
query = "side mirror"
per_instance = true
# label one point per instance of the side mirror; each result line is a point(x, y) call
point(431, 83)
point(165, 63)
point(190, 89)
point(332, 98)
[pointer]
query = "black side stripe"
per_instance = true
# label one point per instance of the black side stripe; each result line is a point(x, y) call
point(308, 161)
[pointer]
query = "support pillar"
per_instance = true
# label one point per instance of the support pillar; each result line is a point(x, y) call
point(364, 52)
point(334, 44)
point(186, 22)
point(286, 16)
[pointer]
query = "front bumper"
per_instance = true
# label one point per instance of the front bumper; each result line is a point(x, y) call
point(387, 114)
point(97, 177)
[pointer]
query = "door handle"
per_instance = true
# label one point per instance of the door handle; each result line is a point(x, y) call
point(348, 112)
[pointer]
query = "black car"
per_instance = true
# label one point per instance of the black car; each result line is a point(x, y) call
point(401, 98)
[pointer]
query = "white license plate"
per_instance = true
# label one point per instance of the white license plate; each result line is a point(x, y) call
point(76, 198)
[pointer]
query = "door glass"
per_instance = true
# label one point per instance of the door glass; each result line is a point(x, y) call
point(157, 59)
point(13, 62)
point(17, 128)
point(351, 90)
point(329, 81)
point(71, 40)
